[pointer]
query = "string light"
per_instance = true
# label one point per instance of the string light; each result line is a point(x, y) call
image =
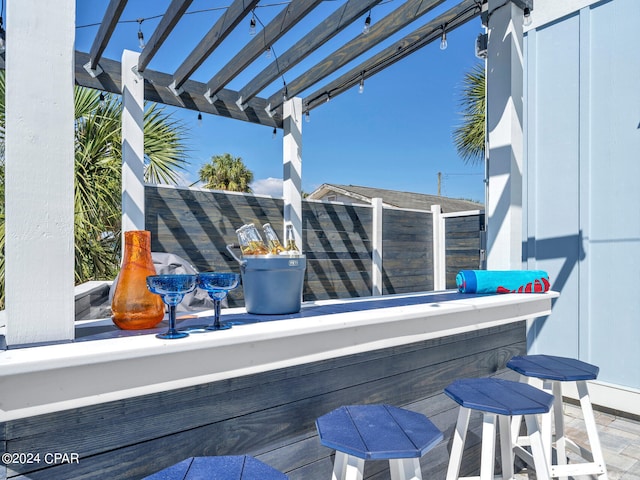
point(252, 24)
point(199, 119)
point(443, 42)
point(361, 87)
point(307, 117)
point(527, 16)
point(140, 34)
point(102, 100)
point(275, 133)
point(367, 24)
point(268, 52)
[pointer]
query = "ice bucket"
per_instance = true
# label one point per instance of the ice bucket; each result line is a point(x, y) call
point(272, 284)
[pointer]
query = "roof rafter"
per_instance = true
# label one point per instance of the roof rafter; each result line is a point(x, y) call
point(395, 21)
point(280, 25)
point(155, 90)
point(171, 17)
point(108, 25)
point(317, 37)
point(424, 35)
point(214, 37)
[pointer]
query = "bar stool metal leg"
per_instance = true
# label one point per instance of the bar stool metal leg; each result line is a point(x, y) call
point(405, 469)
point(347, 467)
point(457, 448)
point(488, 446)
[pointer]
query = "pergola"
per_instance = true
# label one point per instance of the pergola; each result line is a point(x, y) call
point(39, 120)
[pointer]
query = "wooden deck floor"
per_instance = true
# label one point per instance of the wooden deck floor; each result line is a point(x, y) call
point(620, 438)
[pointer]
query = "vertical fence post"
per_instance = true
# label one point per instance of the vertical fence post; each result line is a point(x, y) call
point(439, 259)
point(376, 254)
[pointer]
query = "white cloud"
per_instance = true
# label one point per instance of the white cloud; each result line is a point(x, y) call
point(268, 186)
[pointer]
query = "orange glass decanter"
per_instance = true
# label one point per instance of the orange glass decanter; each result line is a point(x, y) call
point(133, 306)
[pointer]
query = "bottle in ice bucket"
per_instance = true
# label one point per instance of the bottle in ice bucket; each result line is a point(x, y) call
point(256, 245)
point(273, 243)
point(290, 241)
point(243, 241)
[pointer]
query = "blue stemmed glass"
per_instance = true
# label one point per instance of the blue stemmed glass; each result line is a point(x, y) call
point(217, 285)
point(172, 289)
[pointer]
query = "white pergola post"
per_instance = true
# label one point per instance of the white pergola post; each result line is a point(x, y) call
point(376, 245)
point(292, 166)
point(132, 144)
point(505, 137)
point(39, 172)
point(439, 252)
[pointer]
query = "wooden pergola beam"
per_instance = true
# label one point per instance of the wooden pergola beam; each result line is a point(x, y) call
point(317, 37)
point(280, 25)
point(171, 17)
point(156, 90)
point(214, 37)
point(108, 25)
point(421, 37)
point(379, 31)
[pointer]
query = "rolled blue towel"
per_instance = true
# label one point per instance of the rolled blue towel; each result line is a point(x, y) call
point(502, 281)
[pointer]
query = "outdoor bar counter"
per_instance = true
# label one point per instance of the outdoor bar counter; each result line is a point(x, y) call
point(129, 404)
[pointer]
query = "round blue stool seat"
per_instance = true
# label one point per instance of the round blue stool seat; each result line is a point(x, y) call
point(502, 397)
point(548, 367)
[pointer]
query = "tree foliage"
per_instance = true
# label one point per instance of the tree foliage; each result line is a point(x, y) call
point(226, 173)
point(469, 137)
point(98, 173)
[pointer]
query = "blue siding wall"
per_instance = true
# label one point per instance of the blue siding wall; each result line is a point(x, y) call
point(582, 185)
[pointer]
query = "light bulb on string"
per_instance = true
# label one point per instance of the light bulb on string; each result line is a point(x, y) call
point(527, 16)
point(252, 25)
point(140, 34)
point(307, 117)
point(268, 52)
point(443, 42)
point(199, 119)
point(102, 101)
point(367, 24)
point(274, 133)
point(361, 87)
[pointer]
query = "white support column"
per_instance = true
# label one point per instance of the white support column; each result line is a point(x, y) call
point(292, 166)
point(132, 144)
point(505, 137)
point(376, 241)
point(439, 257)
point(39, 172)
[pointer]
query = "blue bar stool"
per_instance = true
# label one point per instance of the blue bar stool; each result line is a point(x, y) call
point(501, 399)
point(232, 467)
point(377, 432)
point(554, 371)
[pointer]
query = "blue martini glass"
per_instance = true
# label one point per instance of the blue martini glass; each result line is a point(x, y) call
point(172, 289)
point(217, 285)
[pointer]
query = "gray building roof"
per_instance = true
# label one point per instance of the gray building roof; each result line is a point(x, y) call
point(395, 198)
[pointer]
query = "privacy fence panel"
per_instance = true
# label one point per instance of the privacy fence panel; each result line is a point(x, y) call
point(407, 251)
point(337, 240)
point(464, 244)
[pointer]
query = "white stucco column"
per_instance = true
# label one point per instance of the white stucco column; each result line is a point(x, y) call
point(292, 166)
point(39, 171)
point(505, 137)
point(132, 144)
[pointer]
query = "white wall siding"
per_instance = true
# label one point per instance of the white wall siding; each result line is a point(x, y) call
point(582, 173)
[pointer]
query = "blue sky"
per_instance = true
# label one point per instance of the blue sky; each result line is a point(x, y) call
point(396, 135)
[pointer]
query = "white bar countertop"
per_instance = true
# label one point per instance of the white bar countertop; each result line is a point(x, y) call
point(107, 364)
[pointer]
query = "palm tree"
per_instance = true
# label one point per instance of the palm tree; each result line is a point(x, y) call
point(98, 153)
point(469, 138)
point(226, 173)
